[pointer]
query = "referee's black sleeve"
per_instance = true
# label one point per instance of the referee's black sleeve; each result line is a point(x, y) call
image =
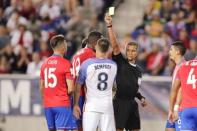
point(118, 58)
point(139, 96)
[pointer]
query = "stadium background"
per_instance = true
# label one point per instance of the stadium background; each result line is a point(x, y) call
point(27, 25)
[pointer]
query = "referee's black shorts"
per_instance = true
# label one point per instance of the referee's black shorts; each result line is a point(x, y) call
point(126, 114)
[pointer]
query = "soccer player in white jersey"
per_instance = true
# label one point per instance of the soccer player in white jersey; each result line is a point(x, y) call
point(98, 74)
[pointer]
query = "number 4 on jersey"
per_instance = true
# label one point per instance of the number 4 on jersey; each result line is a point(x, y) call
point(192, 78)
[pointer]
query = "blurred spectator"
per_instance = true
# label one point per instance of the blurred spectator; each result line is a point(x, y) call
point(155, 27)
point(22, 61)
point(155, 60)
point(27, 10)
point(49, 9)
point(169, 67)
point(183, 36)
point(167, 42)
point(44, 51)
point(144, 42)
point(22, 37)
point(3, 20)
point(10, 56)
point(4, 65)
point(14, 20)
point(192, 52)
point(33, 67)
point(13, 6)
point(166, 8)
point(191, 21)
point(29, 24)
point(70, 6)
point(174, 26)
point(165, 21)
point(4, 39)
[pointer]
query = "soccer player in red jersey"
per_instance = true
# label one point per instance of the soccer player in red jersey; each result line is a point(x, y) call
point(56, 83)
point(85, 53)
point(176, 54)
point(186, 79)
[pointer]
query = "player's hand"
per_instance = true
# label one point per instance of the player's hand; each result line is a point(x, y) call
point(108, 19)
point(171, 116)
point(176, 116)
point(76, 111)
point(143, 102)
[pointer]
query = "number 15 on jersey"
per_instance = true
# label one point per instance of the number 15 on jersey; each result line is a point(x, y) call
point(49, 74)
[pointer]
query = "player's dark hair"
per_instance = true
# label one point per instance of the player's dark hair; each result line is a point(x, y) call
point(84, 42)
point(94, 36)
point(179, 46)
point(56, 40)
point(132, 43)
point(103, 45)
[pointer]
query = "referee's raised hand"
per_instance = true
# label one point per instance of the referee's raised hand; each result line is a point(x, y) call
point(108, 19)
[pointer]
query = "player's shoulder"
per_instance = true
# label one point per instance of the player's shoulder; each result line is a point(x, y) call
point(89, 61)
point(111, 61)
point(106, 60)
point(64, 60)
point(190, 63)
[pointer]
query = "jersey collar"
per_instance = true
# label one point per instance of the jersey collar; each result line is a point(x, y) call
point(57, 55)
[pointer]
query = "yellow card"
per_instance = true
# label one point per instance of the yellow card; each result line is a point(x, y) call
point(111, 10)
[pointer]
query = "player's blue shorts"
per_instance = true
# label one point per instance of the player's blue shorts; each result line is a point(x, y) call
point(60, 118)
point(81, 103)
point(189, 119)
point(176, 125)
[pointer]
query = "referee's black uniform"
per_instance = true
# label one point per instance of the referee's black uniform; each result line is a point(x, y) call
point(125, 107)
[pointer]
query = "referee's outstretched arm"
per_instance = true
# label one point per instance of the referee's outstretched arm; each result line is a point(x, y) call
point(112, 36)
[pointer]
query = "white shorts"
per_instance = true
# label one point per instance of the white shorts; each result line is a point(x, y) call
point(92, 120)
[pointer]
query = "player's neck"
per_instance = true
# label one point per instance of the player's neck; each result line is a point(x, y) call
point(101, 55)
point(178, 60)
point(131, 61)
point(89, 46)
point(58, 53)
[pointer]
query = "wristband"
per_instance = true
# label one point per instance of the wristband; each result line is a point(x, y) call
point(176, 107)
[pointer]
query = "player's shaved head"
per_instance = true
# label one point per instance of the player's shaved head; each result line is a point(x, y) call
point(93, 37)
point(57, 40)
point(103, 45)
point(180, 47)
point(84, 42)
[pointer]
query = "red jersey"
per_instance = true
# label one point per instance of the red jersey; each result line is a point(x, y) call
point(54, 71)
point(187, 74)
point(174, 75)
point(78, 59)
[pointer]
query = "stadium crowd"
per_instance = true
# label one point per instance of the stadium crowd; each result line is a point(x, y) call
point(165, 21)
point(27, 25)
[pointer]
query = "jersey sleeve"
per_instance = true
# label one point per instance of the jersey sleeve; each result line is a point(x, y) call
point(118, 58)
point(41, 73)
point(82, 74)
point(68, 69)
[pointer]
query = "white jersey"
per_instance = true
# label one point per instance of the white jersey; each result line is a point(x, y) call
point(98, 75)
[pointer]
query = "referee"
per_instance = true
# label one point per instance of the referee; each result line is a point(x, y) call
point(128, 78)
